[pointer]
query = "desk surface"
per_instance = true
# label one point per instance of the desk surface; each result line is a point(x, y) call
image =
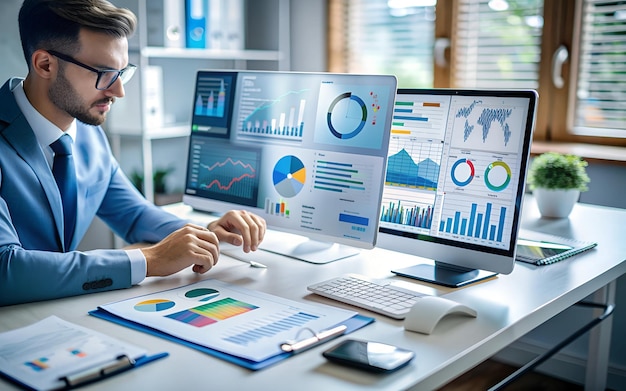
point(508, 306)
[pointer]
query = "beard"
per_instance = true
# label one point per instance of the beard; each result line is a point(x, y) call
point(65, 97)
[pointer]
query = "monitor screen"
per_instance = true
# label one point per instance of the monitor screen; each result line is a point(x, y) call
point(455, 181)
point(306, 151)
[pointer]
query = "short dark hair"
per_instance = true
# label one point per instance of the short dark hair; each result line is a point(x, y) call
point(55, 24)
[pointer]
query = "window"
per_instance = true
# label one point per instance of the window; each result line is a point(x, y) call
point(573, 52)
point(497, 44)
point(600, 98)
point(388, 37)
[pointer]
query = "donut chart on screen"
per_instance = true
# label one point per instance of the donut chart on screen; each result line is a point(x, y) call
point(353, 116)
point(498, 180)
point(154, 305)
point(289, 176)
point(462, 172)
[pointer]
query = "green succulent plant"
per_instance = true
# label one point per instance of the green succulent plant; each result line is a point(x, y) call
point(554, 170)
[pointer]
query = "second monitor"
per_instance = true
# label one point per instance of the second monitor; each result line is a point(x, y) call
point(455, 181)
point(306, 151)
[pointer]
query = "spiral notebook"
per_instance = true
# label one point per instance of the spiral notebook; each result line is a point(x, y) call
point(544, 249)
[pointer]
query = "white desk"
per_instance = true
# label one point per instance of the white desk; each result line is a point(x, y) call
point(508, 306)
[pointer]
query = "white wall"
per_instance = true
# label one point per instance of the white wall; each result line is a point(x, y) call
point(308, 35)
point(13, 63)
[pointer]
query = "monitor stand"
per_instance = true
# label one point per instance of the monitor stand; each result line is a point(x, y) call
point(444, 274)
point(305, 249)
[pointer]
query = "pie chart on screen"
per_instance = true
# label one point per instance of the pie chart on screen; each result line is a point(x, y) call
point(154, 305)
point(289, 176)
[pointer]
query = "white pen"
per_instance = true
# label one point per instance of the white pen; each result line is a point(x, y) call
point(238, 254)
point(252, 263)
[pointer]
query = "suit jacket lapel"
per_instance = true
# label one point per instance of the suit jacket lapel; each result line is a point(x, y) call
point(20, 136)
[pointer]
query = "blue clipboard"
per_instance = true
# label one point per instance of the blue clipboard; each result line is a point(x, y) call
point(352, 324)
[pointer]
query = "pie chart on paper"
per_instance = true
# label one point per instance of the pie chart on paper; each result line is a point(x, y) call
point(154, 305)
point(289, 176)
point(205, 294)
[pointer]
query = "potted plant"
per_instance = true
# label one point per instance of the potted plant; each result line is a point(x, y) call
point(158, 179)
point(556, 181)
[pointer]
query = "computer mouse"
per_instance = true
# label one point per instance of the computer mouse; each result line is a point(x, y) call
point(429, 310)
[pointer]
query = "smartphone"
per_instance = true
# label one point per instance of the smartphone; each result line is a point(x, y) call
point(370, 356)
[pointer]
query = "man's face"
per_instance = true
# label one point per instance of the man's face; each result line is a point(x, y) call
point(74, 89)
point(63, 95)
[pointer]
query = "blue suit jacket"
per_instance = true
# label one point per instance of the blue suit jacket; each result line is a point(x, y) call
point(33, 263)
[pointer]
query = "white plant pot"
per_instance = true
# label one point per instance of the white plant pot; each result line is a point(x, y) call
point(556, 203)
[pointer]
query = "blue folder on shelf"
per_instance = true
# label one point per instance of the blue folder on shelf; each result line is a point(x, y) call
point(352, 324)
point(195, 24)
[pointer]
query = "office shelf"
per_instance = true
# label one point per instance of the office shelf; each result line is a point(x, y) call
point(212, 54)
point(266, 46)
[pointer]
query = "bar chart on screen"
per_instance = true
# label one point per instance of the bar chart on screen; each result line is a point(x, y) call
point(423, 119)
point(479, 220)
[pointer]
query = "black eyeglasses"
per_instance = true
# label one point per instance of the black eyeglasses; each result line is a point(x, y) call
point(106, 77)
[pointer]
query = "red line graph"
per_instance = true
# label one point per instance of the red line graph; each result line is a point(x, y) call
point(234, 180)
point(230, 184)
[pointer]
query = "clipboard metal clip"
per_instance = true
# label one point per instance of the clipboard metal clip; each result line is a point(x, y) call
point(317, 338)
point(121, 363)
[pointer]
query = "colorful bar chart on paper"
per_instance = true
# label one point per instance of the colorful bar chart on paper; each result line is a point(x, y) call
point(213, 312)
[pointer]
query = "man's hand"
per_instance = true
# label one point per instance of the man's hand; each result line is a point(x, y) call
point(190, 245)
point(199, 246)
point(239, 227)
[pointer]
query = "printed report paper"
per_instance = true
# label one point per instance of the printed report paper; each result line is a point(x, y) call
point(39, 355)
point(231, 319)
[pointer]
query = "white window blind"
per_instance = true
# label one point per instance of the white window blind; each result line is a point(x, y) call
point(601, 88)
point(497, 43)
point(392, 37)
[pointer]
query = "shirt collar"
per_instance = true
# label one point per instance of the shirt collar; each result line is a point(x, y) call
point(45, 131)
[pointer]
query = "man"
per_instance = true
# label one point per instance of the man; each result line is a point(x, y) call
point(77, 55)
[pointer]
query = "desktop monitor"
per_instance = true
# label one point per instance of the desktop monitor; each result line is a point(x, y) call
point(306, 151)
point(455, 181)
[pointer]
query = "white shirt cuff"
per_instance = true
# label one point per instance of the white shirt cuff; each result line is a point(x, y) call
point(137, 266)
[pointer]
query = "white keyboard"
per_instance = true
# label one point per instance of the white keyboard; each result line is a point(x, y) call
point(373, 295)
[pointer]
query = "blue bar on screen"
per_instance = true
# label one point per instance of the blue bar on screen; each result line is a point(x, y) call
point(346, 218)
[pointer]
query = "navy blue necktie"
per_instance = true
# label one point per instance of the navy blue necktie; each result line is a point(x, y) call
point(65, 176)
